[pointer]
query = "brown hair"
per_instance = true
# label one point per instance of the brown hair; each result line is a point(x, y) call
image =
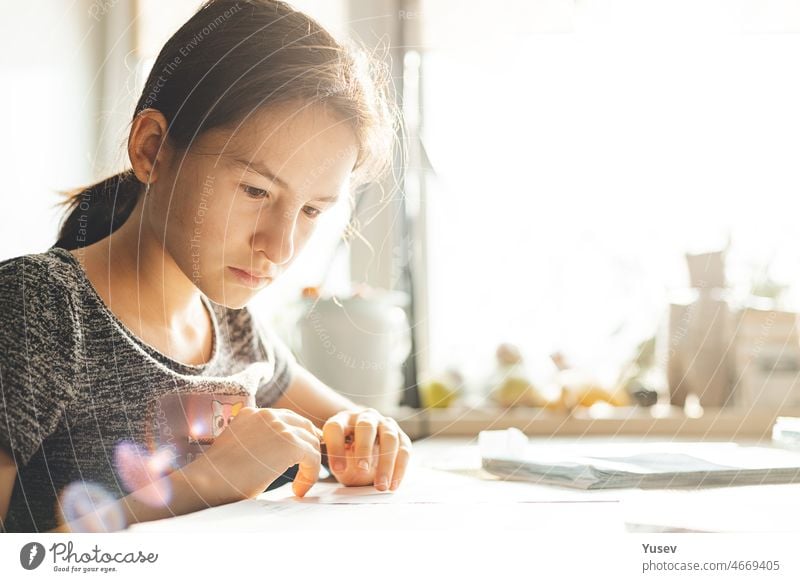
point(226, 61)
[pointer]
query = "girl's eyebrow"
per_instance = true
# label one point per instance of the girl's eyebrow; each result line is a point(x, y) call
point(260, 168)
point(263, 170)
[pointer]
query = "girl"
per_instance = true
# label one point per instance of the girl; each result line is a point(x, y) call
point(127, 350)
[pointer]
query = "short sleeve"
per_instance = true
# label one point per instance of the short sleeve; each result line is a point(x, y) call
point(275, 350)
point(38, 355)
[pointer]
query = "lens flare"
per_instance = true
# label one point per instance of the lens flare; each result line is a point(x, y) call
point(141, 473)
point(198, 429)
point(88, 508)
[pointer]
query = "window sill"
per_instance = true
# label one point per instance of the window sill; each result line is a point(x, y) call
point(668, 421)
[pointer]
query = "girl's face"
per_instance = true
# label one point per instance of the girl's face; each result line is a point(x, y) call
point(246, 199)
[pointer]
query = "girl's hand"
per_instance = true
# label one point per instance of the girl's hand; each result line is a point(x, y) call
point(365, 447)
point(255, 449)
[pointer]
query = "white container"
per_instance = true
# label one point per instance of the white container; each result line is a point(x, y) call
point(356, 345)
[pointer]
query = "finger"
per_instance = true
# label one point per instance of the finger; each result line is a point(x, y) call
point(401, 462)
point(388, 441)
point(334, 435)
point(308, 469)
point(366, 430)
point(291, 417)
point(310, 438)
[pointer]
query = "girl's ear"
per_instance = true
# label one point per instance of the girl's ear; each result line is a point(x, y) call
point(148, 147)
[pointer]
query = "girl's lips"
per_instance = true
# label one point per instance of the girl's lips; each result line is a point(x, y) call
point(248, 280)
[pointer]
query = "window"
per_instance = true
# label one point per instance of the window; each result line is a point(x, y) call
point(579, 154)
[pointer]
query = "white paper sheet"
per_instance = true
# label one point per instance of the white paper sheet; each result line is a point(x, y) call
point(427, 498)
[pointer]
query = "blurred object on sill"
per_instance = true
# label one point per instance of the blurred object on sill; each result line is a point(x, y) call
point(767, 348)
point(641, 393)
point(581, 389)
point(707, 270)
point(700, 334)
point(310, 293)
point(442, 390)
point(510, 384)
point(765, 291)
point(767, 356)
point(786, 432)
point(639, 377)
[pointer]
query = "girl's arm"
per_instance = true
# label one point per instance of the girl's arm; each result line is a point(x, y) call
point(193, 490)
point(252, 451)
point(308, 396)
point(8, 474)
point(190, 491)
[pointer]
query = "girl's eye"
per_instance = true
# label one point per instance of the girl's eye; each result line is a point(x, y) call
point(257, 193)
point(254, 192)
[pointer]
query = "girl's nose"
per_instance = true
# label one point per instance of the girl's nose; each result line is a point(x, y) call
point(276, 241)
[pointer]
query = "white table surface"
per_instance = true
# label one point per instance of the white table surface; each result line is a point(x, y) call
point(445, 488)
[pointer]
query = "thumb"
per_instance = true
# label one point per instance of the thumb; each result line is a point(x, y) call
point(307, 473)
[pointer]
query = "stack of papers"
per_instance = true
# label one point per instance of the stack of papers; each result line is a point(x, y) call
point(508, 454)
point(786, 432)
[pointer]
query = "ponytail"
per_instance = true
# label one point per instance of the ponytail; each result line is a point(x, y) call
point(95, 212)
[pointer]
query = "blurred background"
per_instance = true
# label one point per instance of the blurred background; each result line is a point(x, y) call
point(593, 212)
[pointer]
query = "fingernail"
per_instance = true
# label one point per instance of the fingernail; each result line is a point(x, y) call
point(363, 464)
point(382, 483)
point(395, 484)
point(338, 466)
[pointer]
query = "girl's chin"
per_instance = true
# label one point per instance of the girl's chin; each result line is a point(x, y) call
point(231, 296)
point(234, 298)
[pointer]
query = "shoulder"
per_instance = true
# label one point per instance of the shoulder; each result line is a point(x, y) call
point(41, 284)
point(41, 344)
point(49, 267)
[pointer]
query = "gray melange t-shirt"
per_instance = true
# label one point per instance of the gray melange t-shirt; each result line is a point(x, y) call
point(75, 382)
